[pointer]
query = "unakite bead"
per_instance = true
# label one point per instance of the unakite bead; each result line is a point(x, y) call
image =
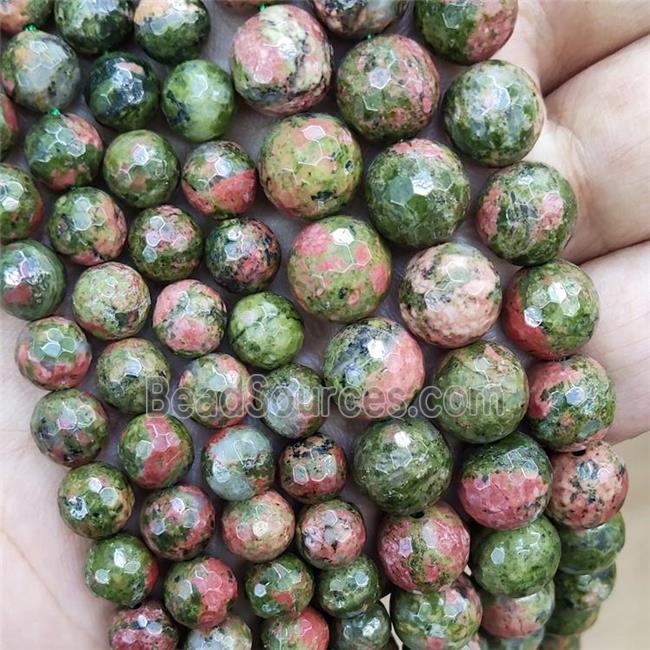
point(21, 204)
point(354, 20)
point(146, 626)
point(95, 500)
point(9, 129)
point(198, 100)
point(560, 642)
point(369, 630)
point(32, 280)
point(231, 633)
point(567, 620)
point(17, 14)
point(586, 590)
point(528, 642)
point(307, 631)
point(265, 330)
point(120, 569)
point(122, 91)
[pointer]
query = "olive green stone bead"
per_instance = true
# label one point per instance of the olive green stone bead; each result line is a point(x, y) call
point(21, 204)
point(587, 590)
point(369, 630)
point(567, 620)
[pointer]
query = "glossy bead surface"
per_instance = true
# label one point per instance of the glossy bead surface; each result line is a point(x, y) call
point(17, 14)
point(177, 522)
point(147, 627)
point(281, 61)
point(369, 630)
point(450, 295)
point(141, 168)
point(155, 450)
point(111, 301)
point(339, 269)
point(53, 353)
point(32, 280)
point(63, 151)
point(165, 243)
point(528, 642)
point(355, 20)
point(189, 318)
point(130, 374)
point(232, 633)
point(377, 365)
point(402, 464)
point(242, 255)
point(21, 204)
point(237, 463)
point(309, 165)
point(122, 91)
point(219, 179)
point(9, 129)
point(505, 484)
point(40, 71)
point(198, 100)
point(585, 591)
point(417, 192)
point(313, 469)
point(95, 500)
point(567, 620)
point(307, 631)
point(387, 88)
point(87, 226)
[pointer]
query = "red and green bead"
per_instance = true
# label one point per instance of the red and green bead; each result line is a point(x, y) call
point(356, 20)
point(528, 642)
point(147, 627)
point(307, 631)
point(586, 590)
point(95, 500)
point(560, 642)
point(339, 269)
point(21, 204)
point(232, 633)
point(15, 15)
point(369, 630)
point(569, 621)
point(9, 128)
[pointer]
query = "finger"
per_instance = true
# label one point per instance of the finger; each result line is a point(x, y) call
point(597, 134)
point(621, 341)
point(555, 39)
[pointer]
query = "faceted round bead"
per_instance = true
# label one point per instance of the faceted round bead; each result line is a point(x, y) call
point(436, 543)
point(63, 151)
point(214, 390)
point(417, 192)
point(356, 20)
point(588, 550)
point(130, 374)
point(93, 26)
point(307, 631)
point(21, 204)
point(526, 213)
point(265, 330)
point(505, 484)
point(375, 368)
point(283, 586)
point(515, 563)
point(291, 400)
point(339, 269)
point(111, 301)
point(313, 469)
point(369, 630)
point(584, 591)
point(589, 486)
point(511, 618)
point(450, 295)
point(237, 463)
point(281, 61)
point(88, 226)
point(466, 32)
point(9, 130)
point(550, 310)
point(330, 534)
point(120, 569)
point(198, 100)
point(122, 91)
point(189, 318)
point(572, 403)
point(493, 112)
point(199, 592)
point(480, 392)
point(387, 88)
point(147, 626)
point(53, 353)
point(165, 243)
point(402, 464)
point(171, 30)
point(95, 500)
point(309, 165)
point(141, 168)
point(242, 255)
point(69, 426)
point(567, 620)
point(15, 15)
point(231, 633)
point(155, 450)
point(529, 642)
point(219, 179)
point(32, 280)
point(177, 522)
point(349, 590)
point(40, 71)
point(446, 618)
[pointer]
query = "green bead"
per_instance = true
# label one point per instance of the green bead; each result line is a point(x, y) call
point(21, 204)
point(567, 620)
point(369, 630)
point(585, 591)
point(232, 633)
point(25, 14)
point(9, 129)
